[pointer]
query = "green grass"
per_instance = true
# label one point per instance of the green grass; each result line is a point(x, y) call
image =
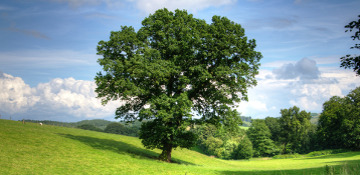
point(33, 149)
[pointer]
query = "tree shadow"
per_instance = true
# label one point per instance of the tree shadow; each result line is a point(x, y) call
point(318, 171)
point(120, 148)
point(337, 155)
point(342, 167)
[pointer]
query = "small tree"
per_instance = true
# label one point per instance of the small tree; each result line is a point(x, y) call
point(172, 66)
point(352, 61)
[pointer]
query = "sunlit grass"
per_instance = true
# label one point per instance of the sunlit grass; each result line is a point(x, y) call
point(35, 149)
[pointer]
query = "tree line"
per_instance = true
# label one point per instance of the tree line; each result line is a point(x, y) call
point(338, 128)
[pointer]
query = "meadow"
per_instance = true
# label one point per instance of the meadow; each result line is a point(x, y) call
point(33, 149)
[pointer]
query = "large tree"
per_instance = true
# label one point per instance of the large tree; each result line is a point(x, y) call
point(259, 135)
point(339, 122)
point(173, 67)
point(295, 130)
point(352, 61)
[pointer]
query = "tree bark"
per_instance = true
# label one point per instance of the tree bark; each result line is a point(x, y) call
point(166, 153)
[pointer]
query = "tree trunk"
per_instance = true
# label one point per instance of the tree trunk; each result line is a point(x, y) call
point(166, 153)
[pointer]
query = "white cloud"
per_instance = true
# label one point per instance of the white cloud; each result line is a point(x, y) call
point(304, 69)
point(272, 94)
point(311, 96)
point(15, 95)
point(60, 99)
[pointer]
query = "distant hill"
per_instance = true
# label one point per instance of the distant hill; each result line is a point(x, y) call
point(314, 118)
point(99, 123)
point(246, 121)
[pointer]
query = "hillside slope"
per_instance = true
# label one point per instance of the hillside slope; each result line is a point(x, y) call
point(33, 149)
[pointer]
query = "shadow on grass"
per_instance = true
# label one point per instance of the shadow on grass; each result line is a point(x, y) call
point(350, 167)
point(338, 155)
point(310, 171)
point(120, 148)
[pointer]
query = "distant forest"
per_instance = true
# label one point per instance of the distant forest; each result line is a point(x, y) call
point(130, 129)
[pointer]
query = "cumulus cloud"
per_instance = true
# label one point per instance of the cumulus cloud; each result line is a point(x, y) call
point(15, 95)
point(60, 99)
point(304, 69)
point(276, 90)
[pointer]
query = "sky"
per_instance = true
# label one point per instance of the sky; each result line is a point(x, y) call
point(48, 57)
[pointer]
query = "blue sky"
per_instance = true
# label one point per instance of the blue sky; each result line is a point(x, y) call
point(48, 52)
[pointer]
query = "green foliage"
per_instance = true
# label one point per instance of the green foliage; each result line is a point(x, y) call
point(350, 61)
point(116, 128)
point(155, 134)
point(339, 123)
point(89, 127)
point(223, 142)
point(173, 65)
point(214, 146)
point(275, 128)
point(99, 123)
point(244, 149)
point(259, 134)
point(325, 152)
point(296, 130)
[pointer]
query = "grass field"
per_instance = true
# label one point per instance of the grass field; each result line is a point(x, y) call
point(33, 149)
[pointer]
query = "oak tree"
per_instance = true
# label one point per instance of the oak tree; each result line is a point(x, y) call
point(174, 67)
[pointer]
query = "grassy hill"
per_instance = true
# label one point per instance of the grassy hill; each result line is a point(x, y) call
point(33, 149)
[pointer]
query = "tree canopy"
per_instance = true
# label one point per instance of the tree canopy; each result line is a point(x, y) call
point(173, 67)
point(353, 61)
point(260, 137)
point(339, 123)
point(295, 130)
